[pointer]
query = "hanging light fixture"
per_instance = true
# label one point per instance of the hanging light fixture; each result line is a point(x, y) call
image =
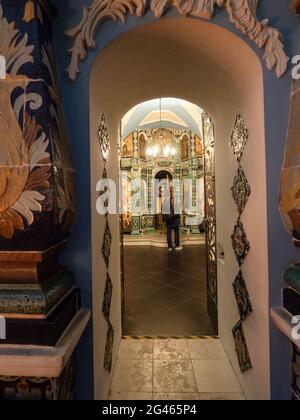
point(160, 148)
point(161, 136)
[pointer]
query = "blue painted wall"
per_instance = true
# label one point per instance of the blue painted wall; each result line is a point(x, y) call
point(76, 103)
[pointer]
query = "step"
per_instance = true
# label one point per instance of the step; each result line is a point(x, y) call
point(285, 323)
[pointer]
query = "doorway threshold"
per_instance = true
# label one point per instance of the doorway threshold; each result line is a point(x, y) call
point(159, 240)
point(170, 337)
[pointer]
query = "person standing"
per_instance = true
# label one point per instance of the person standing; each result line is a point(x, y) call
point(172, 221)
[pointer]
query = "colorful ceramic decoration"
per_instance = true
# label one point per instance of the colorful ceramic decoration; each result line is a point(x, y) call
point(242, 296)
point(107, 297)
point(239, 138)
point(241, 347)
point(40, 389)
point(37, 203)
point(295, 6)
point(109, 347)
point(103, 138)
point(240, 243)
point(36, 187)
point(240, 190)
point(106, 245)
point(290, 175)
point(296, 373)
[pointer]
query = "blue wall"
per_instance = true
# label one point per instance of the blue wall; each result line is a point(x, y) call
point(76, 103)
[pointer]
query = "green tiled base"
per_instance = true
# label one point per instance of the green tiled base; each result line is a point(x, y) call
point(35, 299)
point(292, 277)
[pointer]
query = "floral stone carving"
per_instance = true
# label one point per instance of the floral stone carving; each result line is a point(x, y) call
point(242, 13)
point(197, 8)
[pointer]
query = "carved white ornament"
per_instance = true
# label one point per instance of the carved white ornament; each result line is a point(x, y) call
point(242, 13)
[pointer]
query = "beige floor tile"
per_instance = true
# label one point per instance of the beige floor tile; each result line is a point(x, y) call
point(133, 375)
point(130, 396)
point(171, 350)
point(215, 376)
point(222, 397)
point(175, 396)
point(173, 376)
point(206, 349)
point(136, 349)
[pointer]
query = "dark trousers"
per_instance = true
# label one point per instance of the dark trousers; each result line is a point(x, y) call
point(173, 225)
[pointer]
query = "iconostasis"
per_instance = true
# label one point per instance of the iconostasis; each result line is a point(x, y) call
point(165, 155)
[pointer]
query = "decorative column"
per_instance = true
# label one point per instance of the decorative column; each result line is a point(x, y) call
point(37, 294)
point(151, 215)
point(135, 205)
point(286, 317)
point(195, 205)
point(193, 166)
point(290, 177)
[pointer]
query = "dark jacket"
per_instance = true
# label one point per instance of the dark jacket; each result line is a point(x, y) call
point(171, 217)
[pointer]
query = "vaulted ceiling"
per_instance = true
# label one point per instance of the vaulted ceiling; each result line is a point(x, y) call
point(165, 113)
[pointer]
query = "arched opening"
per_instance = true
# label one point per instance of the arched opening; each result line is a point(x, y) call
point(206, 65)
point(164, 256)
point(164, 177)
point(163, 174)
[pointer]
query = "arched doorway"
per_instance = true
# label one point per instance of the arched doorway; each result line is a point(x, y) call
point(165, 176)
point(165, 261)
point(195, 61)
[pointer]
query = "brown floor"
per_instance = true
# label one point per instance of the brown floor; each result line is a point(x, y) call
point(166, 294)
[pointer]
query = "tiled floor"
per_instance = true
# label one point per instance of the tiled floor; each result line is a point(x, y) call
point(174, 370)
point(159, 239)
point(166, 294)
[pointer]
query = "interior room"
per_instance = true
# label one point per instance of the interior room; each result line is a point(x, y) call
point(149, 200)
point(165, 290)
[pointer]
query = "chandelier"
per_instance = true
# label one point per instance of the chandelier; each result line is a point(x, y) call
point(160, 148)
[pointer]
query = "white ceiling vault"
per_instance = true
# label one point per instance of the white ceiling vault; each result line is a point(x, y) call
point(175, 113)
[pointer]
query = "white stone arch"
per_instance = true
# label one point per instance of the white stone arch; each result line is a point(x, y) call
point(220, 73)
